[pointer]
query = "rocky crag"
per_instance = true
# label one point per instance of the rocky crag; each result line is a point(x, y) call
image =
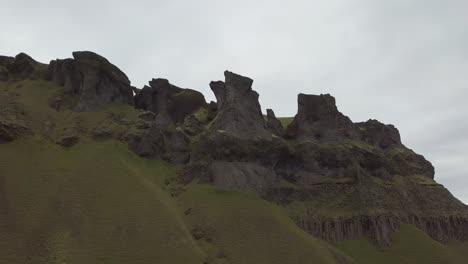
point(338, 180)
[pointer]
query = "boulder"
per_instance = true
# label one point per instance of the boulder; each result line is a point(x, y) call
point(93, 78)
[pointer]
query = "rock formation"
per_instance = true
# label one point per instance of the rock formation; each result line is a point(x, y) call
point(238, 107)
point(12, 121)
point(319, 120)
point(93, 78)
point(20, 67)
point(167, 100)
point(273, 124)
point(238, 151)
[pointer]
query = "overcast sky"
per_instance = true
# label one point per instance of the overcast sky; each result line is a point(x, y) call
point(403, 62)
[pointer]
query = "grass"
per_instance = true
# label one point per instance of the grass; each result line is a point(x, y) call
point(93, 203)
point(409, 245)
point(285, 121)
point(241, 228)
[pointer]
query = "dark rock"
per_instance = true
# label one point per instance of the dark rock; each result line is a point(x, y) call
point(56, 103)
point(93, 78)
point(148, 143)
point(179, 148)
point(12, 122)
point(3, 74)
point(169, 101)
point(378, 134)
point(198, 233)
point(376, 210)
point(238, 107)
point(192, 125)
point(319, 120)
point(147, 116)
point(68, 140)
point(212, 110)
point(245, 176)
point(21, 67)
point(273, 124)
point(5, 63)
point(403, 161)
point(11, 129)
point(239, 163)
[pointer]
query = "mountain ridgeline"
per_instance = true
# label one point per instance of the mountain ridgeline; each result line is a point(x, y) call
point(336, 180)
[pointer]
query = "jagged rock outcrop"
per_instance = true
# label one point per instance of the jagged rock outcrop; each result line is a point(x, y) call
point(167, 100)
point(238, 107)
point(273, 124)
point(172, 112)
point(237, 150)
point(319, 120)
point(20, 67)
point(93, 78)
point(375, 133)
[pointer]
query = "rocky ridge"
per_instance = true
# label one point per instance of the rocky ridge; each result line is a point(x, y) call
point(338, 179)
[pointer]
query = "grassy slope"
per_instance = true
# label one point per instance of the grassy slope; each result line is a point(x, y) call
point(240, 228)
point(409, 245)
point(93, 203)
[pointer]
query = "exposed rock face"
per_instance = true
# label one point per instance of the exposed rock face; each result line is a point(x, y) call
point(238, 107)
point(273, 124)
point(375, 133)
point(335, 166)
point(93, 78)
point(344, 210)
point(237, 151)
point(22, 66)
point(319, 120)
point(167, 100)
point(149, 143)
point(12, 119)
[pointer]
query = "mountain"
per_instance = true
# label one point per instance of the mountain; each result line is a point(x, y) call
point(94, 170)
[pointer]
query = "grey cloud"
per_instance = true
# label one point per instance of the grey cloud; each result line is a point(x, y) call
point(403, 62)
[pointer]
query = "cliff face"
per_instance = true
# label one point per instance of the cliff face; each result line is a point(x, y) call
point(337, 179)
